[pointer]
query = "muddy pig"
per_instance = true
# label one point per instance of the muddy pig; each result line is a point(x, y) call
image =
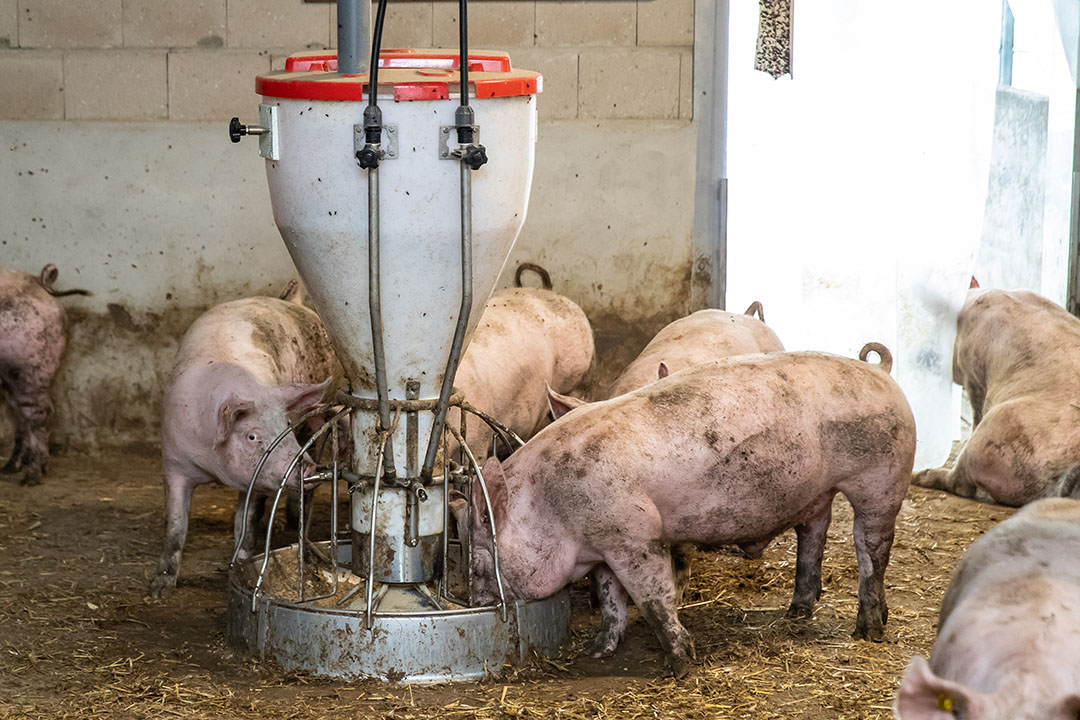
point(33, 335)
point(1018, 356)
point(697, 338)
point(700, 337)
point(243, 371)
point(735, 451)
point(527, 339)
point(1008, 645)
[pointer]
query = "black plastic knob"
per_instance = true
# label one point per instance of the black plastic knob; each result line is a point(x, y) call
point(237, 129)
point(368, 157)
point(474, 156)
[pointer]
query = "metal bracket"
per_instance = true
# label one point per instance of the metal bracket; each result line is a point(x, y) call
point(389, 147)
point(445, 133)
point(269, 147)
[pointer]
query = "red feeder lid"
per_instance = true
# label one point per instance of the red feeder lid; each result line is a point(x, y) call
point(413, 74)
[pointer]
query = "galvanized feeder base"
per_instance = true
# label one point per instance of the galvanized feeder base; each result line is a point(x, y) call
point(401, 647)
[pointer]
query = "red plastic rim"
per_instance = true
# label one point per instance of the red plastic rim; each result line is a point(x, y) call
point(413, 75)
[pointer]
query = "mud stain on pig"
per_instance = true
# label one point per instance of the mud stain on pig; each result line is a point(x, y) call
point(860, 438)
point(265, 337)
point(766, 461)
point(673, 397)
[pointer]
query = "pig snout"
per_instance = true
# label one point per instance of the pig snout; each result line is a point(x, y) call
point(309, 472)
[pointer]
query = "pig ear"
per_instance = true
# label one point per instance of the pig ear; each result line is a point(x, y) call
point(1066, 709)
point(301, 397)
point(560, 404)
point(662, 371)
point(229, 411)
point(925, 696)
point(495, 480)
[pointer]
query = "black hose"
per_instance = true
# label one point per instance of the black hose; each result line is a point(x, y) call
point(463, 45)
point(376, 48)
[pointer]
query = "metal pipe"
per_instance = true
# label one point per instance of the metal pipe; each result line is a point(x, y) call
point(463, 321)
point(354, 36)
point(300, 547)
point(258, 469)
point(1005, 51)
point(332, 560)
point(277, 498)
point(446, 525)
point(491, 514)
point(371, 528)
point(375, 310)
point(497, 427)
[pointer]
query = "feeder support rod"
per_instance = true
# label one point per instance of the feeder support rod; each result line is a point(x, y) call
point(354, 36)
point(462, 323)
point(375, 308)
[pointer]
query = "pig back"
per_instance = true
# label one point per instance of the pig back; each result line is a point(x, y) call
point(528, 338)
point(1000, 569)
point(701, 337)
point(738, 448)
point(32, 323)
point(274, 340)
point(1015, 342)
point(540, 321)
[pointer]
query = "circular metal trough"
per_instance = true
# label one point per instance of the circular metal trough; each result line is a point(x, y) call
point(405, 646)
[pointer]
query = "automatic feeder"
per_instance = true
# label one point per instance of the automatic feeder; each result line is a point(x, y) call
point(399, 227)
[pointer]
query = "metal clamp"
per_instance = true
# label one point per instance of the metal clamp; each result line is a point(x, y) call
point(445, 133)
point(266, 130)
point(389, 148)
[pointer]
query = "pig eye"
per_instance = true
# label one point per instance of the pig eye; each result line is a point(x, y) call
point(253, 437)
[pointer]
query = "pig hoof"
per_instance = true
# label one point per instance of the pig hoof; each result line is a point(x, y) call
point(927, 478)
point(162, 585)
point(677, 665)
point(800, 610)
point(31, 478)
point(602, 646)
point(873, 634)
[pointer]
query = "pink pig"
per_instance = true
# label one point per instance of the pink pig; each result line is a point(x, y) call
point(244, 371)
point(1018, 356)
point(1008, 645)
point(701, 337)
point(734, 451)
point(527, 339)
point(32, 342)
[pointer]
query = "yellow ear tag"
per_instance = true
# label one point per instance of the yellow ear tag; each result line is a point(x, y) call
point(944, 702)
point(225, 411)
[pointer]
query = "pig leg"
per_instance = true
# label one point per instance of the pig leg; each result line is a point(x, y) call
point(980, 464)
point(177, 504)
point(680, 568)
point(976, 397)
point(34, 407)
point(643, 567)
point(873, 541)
point(812, 533)
point(14, 462)
point(611, 597)
point(955, 480)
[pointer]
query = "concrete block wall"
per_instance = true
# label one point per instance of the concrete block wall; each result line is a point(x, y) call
point(115, 165)
point(139, 60)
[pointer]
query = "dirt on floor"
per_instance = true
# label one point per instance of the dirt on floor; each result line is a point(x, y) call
point(81, 638)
